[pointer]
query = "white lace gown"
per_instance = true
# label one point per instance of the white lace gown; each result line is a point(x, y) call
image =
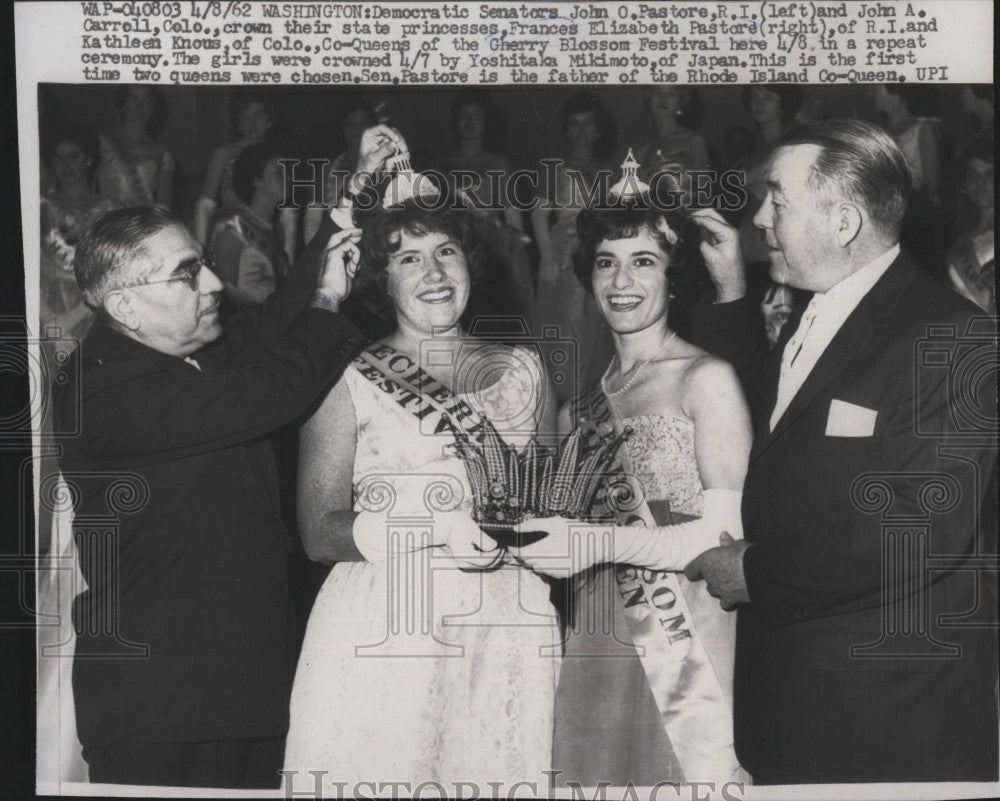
point(462, 689)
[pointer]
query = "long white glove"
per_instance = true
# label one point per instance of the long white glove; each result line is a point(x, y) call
point(455, 533)
point(571, 547)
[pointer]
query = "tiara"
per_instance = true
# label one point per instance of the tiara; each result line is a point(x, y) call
point(405, 184)
point(510, 487)
point(629, 185)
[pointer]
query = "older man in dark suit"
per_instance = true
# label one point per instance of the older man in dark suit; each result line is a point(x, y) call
point(185, 644)
point(864, 651)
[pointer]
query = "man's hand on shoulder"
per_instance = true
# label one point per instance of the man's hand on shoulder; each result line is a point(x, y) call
point(340, 264)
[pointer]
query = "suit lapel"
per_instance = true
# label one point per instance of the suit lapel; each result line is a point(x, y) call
point(853, 338)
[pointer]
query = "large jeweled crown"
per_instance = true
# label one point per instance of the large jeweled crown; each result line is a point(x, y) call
point(511, 486)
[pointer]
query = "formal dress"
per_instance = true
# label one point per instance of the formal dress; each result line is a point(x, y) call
point(855, 660)
point(469, 699)
point(609, 727)
point(129, 174)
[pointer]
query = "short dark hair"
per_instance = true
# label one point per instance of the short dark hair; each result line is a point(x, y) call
point(691, 112)
point(380, 240)
point(249, 166)
point(607, 129)
point(789, 95)
point(495, 136)
point(112, 254)
point(158, 117)
point(625, 219)
point(79, 134)
point(863, 162)
point(243, 100)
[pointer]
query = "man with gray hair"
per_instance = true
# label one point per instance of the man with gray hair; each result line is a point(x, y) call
point(866, 638)
point(185, 648)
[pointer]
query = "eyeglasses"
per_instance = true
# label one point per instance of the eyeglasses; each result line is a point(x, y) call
point(191, 272)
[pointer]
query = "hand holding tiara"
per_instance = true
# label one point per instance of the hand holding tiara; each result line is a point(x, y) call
point(378, 145)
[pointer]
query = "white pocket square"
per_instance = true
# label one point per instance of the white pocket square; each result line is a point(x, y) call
point(847, 420)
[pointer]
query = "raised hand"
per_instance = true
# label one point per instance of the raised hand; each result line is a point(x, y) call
point(720, 248)
point(340, 264)
point(378, 144)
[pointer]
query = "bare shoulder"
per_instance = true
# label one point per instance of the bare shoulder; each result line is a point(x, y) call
point(707, 377)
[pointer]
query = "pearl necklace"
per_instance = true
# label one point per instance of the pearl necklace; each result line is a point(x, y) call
point(635, 375)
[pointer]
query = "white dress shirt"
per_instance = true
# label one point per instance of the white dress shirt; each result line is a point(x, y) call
point(820, 323)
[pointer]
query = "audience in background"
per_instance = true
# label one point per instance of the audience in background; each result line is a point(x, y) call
point(135, 169)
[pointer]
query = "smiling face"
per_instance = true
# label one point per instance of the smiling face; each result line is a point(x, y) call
point(765, 106)
point(428, 282)
point(137, 105)
point(979, 183)
point(630, 282)
point(254, 122)
point(470, 122)
point(798, 223)
point(270, 184)
point(581, 129)
point(171, 317)
point(70, 163)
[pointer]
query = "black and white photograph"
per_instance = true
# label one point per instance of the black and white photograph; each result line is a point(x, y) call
point(512, 400)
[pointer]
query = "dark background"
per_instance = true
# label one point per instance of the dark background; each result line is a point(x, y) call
point(308, 122)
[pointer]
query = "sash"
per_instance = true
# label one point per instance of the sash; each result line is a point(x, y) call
point(139, 190)
point(683, 639)
point(437, 408)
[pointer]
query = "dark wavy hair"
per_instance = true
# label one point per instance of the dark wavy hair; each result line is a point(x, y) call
point(158, 117)
point(380, 239)
point(686, 276)
point(82, 135)
point(495, 135)
point(692, 108)
point(249, 166)
point(789, 95)
point(243, 100)
point(607, 128)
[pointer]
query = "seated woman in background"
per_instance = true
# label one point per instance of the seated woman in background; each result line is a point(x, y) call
point(562, 301)
point(677, 145)
point(135, 169)
point(971, 258)
point(69, 210)
point(479, 126)
point(253, 116)
point(249, 259)
point(356, 116)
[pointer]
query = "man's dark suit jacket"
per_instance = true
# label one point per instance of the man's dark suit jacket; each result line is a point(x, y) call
point(807, 708)
point(184, 633)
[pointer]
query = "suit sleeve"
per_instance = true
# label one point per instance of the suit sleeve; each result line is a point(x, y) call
point(144, 411)
point(254, 328)
point(848, 561)
point(735, 332)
